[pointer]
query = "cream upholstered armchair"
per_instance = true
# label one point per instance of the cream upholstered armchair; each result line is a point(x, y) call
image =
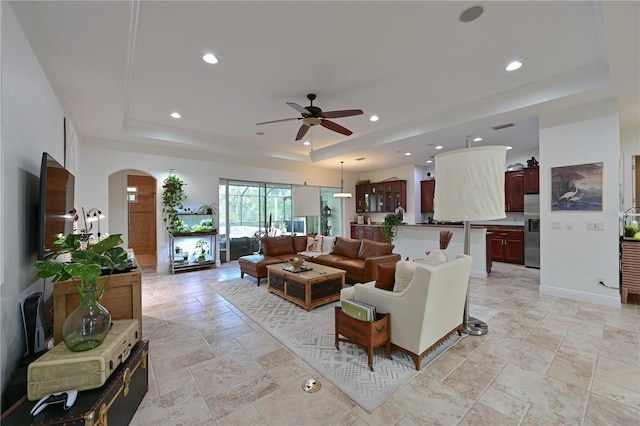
point(428, 310)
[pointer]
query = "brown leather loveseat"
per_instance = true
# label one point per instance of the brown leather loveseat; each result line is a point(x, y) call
point(358, 258)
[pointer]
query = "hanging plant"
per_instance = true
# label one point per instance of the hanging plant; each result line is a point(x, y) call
point(173, 197)
point(390, 227)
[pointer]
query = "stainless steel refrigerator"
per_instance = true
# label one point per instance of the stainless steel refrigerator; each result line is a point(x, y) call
point(532, 231)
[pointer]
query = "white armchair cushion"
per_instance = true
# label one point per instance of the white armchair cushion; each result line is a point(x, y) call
point(435, 257)
point(404, 274)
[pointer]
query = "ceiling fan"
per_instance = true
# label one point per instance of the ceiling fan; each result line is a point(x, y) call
point(312, 116)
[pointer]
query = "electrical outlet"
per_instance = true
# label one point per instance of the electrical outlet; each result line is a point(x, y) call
point(569, 226)
point(591, 226)
point(600, 281)
point(600, 226)
point(556, 225)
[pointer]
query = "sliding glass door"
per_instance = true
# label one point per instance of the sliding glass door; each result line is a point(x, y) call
point(249, 210)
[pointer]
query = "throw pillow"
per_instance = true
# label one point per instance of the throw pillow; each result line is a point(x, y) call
point(404, 274)
point(385, 279)
point(327, 244)
point(435, 257)
point(314, 244)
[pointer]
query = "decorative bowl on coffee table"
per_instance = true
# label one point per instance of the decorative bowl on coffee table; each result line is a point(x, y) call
point(296, 263)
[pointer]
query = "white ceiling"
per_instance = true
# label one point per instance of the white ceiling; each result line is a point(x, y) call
point(120, 68)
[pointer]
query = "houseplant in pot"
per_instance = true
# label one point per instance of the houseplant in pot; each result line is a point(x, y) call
point(203, 247)
point(173, 198)
point(390, 227)
point(87, 326)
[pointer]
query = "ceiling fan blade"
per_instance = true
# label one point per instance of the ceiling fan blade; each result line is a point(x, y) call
point(341, 113)
point(277, 121)
point(298, 108)
point(335, 127)
point(303, 131)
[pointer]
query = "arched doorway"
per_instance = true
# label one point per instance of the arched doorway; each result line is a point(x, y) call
point(132, 207)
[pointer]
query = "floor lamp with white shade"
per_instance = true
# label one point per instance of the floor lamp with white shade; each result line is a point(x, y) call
point(470, 187)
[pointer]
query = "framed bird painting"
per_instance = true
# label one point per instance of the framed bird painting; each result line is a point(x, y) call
point(577, 187)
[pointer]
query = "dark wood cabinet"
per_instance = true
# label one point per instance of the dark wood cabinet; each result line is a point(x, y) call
point(427, 192)
point(507, 245)
point(381, 197)
point(630, 274)
point(514, 191)
point(532, 180)
point(367, 232)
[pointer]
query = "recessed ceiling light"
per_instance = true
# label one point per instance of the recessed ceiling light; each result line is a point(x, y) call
point(429, 161)
point(439, 147)
point(478, 139)
point(374, 118)
point(306, 143)
point(176, 115)
point(407, 154)
point(210, 58)
point(514, 66)
point(509, 147)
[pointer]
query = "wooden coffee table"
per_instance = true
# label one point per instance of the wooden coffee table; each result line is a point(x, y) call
point(311, 288)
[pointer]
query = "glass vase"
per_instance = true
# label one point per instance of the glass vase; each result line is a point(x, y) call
point(87, 326)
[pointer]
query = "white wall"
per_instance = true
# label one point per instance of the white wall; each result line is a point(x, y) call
point(573, 261)
point(629, 147)
point(32, 122)
point(99, 166)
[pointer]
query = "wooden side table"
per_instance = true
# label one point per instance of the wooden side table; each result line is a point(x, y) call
point(368, 334)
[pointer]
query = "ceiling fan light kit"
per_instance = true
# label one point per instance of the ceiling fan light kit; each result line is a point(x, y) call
point(313, 116)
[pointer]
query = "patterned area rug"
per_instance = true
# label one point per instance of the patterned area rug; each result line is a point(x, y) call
point(310, 335)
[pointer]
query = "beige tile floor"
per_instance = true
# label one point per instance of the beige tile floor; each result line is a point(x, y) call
point(545, 361)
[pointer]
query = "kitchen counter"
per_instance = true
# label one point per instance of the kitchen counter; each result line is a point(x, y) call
point(413, 240)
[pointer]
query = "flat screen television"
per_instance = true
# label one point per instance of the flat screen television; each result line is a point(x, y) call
point(55, 212)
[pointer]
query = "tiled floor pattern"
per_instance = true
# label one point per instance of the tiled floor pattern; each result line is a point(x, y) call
point(545, 361)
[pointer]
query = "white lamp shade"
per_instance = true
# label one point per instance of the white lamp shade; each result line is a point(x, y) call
point(470, 184)
point(306, 201)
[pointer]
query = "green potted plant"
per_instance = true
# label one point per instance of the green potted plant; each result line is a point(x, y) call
point(173, 198)
point(204, 248)
point(208, 209)
point(87, 326)
point(390, 227)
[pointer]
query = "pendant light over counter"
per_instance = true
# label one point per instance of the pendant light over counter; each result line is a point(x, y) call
point(342, 194)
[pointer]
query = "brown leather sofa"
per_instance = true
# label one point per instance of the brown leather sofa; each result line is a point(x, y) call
point(358, 258)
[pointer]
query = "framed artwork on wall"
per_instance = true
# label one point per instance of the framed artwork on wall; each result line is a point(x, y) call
point(577, 187)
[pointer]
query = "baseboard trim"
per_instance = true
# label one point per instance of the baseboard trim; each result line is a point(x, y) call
point(582, 296)
point(479, 274)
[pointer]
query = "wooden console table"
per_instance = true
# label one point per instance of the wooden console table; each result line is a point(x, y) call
point(368, 334)
point(122, 297)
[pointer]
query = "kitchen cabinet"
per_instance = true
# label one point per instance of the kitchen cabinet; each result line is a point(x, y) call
point(532, 180)
point(514, 191)
point(367, 232)
point(381, 197)
point(507, 245)
point(427, 192)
